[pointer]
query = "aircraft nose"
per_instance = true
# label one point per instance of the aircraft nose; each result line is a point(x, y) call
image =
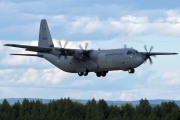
point(139, 60)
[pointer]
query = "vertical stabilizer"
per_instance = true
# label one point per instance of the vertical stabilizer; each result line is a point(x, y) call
point(45, 39)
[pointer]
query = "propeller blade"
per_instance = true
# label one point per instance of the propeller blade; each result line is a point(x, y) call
point(148, 54)
point(62, 50)
point(151, 48)
point(150, 60)
point(80, 47)
point(60, 43)
point(65, 44)
point(86, 44)
point(145, 48)
point(125, 46)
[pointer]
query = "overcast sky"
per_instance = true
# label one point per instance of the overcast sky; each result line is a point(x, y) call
point(103, 24)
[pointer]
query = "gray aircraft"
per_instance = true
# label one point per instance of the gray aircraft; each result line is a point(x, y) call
point(83, 61)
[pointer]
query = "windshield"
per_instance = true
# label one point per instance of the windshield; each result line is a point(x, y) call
point(134, 52)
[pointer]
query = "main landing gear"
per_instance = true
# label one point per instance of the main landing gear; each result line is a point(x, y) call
point(85, 73)
point(99, 74)
point(131, 70)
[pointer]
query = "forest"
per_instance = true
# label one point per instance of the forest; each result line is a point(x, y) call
point(66, 109)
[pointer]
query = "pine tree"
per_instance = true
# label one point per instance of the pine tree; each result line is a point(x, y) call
point(16, 110)
point(68, 113)
point(143, 110)
point(92, 111)
point(78, 111)
point(115, 113)
point(127, 111)
point(5, 110)
point(103, 107)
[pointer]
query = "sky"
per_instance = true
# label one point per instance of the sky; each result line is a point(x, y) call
point(103, 24)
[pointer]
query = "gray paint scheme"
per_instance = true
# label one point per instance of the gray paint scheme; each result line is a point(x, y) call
point(98, 61)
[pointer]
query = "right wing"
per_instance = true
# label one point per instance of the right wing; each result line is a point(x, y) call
point(157, 53)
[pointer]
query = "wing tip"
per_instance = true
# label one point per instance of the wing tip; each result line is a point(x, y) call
point(5, 44)
point(9, 45)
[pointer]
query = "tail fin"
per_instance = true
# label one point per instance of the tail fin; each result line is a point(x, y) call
point(45, 39)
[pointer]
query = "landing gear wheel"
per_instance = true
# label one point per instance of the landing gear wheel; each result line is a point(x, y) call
point(98, 74)
point(103, 74)
point(85, 73)
point(80, 73)
point(131, 70)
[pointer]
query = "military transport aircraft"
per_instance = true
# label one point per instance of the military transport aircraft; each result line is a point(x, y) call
point(83, 61)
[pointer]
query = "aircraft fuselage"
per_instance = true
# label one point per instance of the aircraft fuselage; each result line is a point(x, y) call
point(101, 60)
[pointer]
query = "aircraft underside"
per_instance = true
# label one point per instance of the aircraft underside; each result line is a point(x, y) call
point(83, 68)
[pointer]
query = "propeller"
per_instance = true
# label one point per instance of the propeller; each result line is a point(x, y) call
point(86, 44)
point(62, 50)
point(85, 52)
point(148, 54)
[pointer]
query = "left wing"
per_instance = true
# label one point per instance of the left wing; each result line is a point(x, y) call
point(52, 50)
point(36, 55)
point(31, 48)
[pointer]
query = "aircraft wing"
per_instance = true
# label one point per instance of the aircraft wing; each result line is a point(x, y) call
point(31, 48)
point(36, 55)
point(67, 52)
point(157, 53)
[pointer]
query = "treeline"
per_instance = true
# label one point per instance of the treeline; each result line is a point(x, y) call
point(66, 109)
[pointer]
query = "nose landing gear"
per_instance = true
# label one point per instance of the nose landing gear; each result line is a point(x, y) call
point(131, 70)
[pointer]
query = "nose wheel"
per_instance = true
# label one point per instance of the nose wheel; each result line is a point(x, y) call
point(131, 71)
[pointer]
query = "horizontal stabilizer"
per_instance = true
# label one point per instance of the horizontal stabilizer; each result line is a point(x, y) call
point(31, 48)
point(28, 55)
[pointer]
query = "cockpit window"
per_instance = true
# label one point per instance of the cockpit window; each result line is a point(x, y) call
point(129, 52)
point(134, 52)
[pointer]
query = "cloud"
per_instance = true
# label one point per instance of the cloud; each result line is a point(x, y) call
point(102, 24)
point(128, 25)
point(31, 77)
point(171, 78)
point(41, 77)
point(128, 95)
point(173, 16)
